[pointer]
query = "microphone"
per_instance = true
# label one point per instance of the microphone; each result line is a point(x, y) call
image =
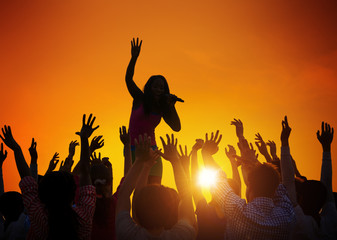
point(174, 97)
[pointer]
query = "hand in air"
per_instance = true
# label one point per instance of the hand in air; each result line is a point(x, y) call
point(53, 162)
point(66, 165)
point(261, 145)
point(170, 149)
point(3, 155)
point(239, 127)
point(211, 146)
point(72, 146)
point(285, 132)
point(124, 136)
point(198, 144)
point(8, 138)
point(272, 146)
point(87, 128)
point(325, 137)
point(135, 47)
point(96, 143)
point(184, 158)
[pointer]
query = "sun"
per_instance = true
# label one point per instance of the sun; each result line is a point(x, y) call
point(207, 177)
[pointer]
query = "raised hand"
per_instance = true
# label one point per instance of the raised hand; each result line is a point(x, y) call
point(96, 143)
point(261, 145)
point(8, 139)
point(94, 159)
point(87, 128)
point(185, 159)
point(124, 136)
point(198, 144)
point(53, 162)
point(325, 137)
point(66, 165)
point(285, 132)
point(20, 161)
point(143, 148)
point(272, 146)
point(239, 127)
point(3, 155)
point(170, 149)
point(211, 145)
point(230, 153)
point(33, 152)
point(72, 146)
point(135, 47)
point(248, 153)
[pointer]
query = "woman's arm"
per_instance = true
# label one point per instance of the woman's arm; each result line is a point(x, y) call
point(170, 114)
point(133, 89)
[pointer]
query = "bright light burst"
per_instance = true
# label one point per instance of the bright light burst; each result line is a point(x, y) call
point(207, 177)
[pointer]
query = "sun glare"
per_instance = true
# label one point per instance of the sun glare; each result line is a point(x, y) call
point(207, 177)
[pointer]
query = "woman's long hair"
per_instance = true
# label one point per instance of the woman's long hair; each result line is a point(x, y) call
point(148, 95)
point(57, 192)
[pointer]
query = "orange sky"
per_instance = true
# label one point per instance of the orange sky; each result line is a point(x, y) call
point(253, 60)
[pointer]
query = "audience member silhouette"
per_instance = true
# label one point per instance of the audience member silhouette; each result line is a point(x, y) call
point(101, 175)
point(152, 204)
point(316, 214)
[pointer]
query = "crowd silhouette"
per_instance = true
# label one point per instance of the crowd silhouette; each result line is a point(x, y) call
point(78, 202)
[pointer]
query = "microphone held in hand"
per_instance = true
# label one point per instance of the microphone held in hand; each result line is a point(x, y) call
point(174, 98)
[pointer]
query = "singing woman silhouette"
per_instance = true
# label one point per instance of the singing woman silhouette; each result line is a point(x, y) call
point(148, 107)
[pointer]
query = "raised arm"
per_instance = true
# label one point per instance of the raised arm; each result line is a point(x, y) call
point(185, 210)
point(184, 158)
point(248, 158)
point(53, 163)
point(143, 148)
point(86, 131)
point(325, 137)
point(231, 154)
point(239, 129)
point(287, 169)
point(262, 146)
point(272, 146)
point(144, 175)
point(133, 89)
point(33, 159)
point(3, 155)
point(125, 139)
point(197, 193)
point(68, 162)
point(21, 164)
point(72, 148)
point(210, 147)
point(96, 143)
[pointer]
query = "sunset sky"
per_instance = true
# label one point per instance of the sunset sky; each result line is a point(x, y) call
point(253, 60)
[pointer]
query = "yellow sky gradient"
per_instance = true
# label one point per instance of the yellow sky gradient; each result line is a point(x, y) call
point(253, 60)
